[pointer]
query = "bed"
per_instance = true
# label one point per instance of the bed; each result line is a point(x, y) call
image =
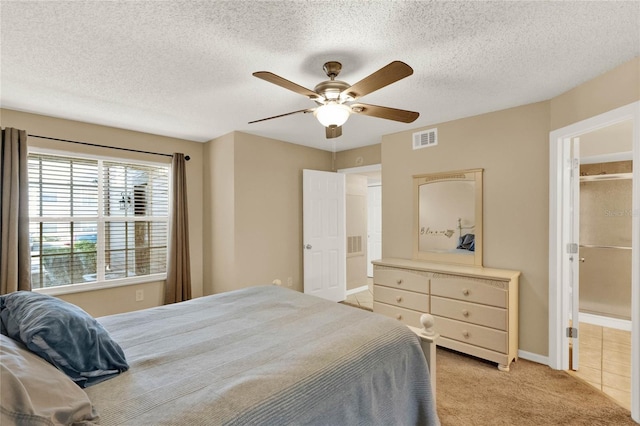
point(264, 355)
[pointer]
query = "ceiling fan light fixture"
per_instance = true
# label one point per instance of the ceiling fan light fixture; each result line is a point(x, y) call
point(334, 98)
point(332, 95)
point(332, 114)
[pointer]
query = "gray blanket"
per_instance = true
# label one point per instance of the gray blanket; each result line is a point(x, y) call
point(264, 356)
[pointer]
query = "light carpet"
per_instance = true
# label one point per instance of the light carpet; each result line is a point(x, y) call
point(471, 391)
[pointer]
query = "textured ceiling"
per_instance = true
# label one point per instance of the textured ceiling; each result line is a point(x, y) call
point(183, 68)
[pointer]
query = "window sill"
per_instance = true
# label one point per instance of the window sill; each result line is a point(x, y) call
point(80, 288)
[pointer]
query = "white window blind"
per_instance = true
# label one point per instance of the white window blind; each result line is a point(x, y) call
point(94, 220)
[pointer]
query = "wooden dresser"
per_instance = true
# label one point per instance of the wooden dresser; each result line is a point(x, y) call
point(475, 309)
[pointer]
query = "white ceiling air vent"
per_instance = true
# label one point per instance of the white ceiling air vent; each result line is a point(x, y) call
point(425, 139)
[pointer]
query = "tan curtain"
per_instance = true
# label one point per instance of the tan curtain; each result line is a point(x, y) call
point(178, 287)
point(15, 256)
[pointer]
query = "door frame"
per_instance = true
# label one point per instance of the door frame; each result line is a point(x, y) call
point(572, 261)
point(364, 169)
point(558, 211)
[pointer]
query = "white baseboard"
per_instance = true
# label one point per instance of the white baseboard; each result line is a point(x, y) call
point(357, 290)
point(530, 356)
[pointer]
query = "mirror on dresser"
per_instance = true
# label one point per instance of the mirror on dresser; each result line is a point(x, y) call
point(448, 217)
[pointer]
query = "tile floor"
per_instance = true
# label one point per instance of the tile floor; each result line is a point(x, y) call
point(363, 299)
point(605, 361)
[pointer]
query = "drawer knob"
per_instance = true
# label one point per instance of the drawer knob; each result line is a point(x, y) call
point(465, 291)
point(465, 312)
point(398, 317)
point(399, 299)
point(399, 281)
point(465, 334)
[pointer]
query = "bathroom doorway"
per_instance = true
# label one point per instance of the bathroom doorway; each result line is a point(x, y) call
point(605, 264)
point(564, 254)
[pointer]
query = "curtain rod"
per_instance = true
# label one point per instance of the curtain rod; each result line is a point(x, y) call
point(186, 157)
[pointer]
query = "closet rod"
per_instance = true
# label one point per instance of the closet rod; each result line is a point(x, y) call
point(611, 176)
point(186, 157)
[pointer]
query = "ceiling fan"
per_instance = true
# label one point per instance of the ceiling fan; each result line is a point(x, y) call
point(335, 98)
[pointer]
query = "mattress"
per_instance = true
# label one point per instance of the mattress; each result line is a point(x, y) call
point(264, 355)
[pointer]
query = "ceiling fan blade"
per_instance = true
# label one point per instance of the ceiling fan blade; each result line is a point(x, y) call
point(386, 75)
point(385, 112)
point(283, 115)
point(333, 131)
point(283, 82)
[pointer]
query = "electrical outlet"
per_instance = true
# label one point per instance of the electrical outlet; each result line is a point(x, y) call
point(139, 295)
point(289, 282)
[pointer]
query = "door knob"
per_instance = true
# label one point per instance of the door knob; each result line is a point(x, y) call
point(582, 259)
point(308, 246)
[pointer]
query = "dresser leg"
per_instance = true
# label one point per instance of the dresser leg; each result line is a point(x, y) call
point(503, 367)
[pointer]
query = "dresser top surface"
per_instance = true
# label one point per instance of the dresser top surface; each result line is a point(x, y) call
point(472, 271)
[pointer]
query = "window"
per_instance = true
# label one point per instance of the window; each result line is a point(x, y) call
point(96, 221)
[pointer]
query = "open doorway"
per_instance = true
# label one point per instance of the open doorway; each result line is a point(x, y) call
point(364, 230)
point(565, 255)
point(374, 223)
point(604, 260)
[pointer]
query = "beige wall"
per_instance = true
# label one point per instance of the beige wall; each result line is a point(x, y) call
point(358, 157)
point(122, 299)
point(258, 238)
point(614, 139)
point(219, 224)
point(511, 146)
point(613, 89)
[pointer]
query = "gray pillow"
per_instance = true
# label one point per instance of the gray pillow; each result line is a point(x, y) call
point(62, 334)
point(34, 392)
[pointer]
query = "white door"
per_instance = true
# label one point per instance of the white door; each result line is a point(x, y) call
point(374, 220)
point(573, 246)
point(324, 234)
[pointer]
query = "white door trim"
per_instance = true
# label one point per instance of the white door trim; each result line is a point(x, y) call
point(362, 169)
point(558, 303)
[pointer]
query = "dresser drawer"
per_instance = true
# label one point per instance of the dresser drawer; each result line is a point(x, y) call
point(402, 279)
point(477, 335)
point(470, 291)
point(407, 316)
point(470, 312)
point(401, 298)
